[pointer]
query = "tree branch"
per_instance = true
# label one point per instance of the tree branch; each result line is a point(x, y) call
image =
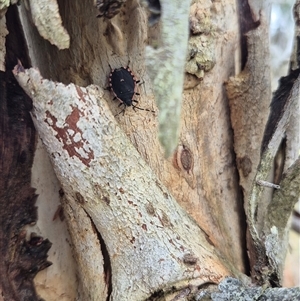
point(249, 101)
point(166, 69)
point(249, 96)
point(100, 170)
point(46, 17)
point(94, 278)
point(276, 227)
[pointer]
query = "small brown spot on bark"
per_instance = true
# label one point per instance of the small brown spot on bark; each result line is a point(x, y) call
point(150, 209)
point(59, 213)
point(171, 242)
point(190, 259)
point(80, 93)
point(106, 200)
point(132, 203)
point(165, 220)
point(35, 240)
point(79, 198)
point(61, 192)
point(144, 226)
point(245, 164)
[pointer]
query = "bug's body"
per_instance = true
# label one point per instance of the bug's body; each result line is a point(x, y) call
point(123, 85)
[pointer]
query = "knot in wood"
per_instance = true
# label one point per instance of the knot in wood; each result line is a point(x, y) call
point(184, 158)
point(79, 198)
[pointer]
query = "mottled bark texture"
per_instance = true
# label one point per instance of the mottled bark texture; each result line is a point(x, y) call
point(144, 227)
point(21, 258)
point(262, 155)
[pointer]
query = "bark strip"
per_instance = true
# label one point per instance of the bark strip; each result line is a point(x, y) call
point(101, 170)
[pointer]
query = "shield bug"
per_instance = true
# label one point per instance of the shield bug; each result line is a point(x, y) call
point(122, 83)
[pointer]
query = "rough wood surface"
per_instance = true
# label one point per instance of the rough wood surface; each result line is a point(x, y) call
point(47, 20)
point(3, 33)
point(233, 289)
point(257, 152)
point(22, 254)
point(113, 170)
point(93, 271)
point(249, 105)
point(205, 184)
point(101, 171)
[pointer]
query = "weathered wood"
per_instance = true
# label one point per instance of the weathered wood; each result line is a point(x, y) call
point(21, 258)
point(47, 20)
point(249, 94)
point(134, 213)
point(112, 168)
point(207, 188)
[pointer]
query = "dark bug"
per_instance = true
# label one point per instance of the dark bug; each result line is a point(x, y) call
point(123, 85)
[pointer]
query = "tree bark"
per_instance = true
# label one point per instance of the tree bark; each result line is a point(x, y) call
point(142, 226)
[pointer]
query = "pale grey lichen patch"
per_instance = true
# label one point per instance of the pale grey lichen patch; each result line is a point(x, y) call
point(201, 47)
point(273, 250)
point(201, 55)
point(200, 19)
point(232, 289)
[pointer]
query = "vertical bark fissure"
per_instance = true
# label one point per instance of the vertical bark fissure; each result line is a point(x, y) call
point(106, 260)
point(246, 24)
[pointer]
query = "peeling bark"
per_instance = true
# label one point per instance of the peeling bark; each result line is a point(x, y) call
point(98, 43)
point(257, 152)
point(122, 198)
point(21, 258)
point(47, 20)
point(153, 229)
point(94, 271)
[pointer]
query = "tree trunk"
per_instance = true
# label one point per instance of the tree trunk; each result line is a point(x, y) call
point(167, 201)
